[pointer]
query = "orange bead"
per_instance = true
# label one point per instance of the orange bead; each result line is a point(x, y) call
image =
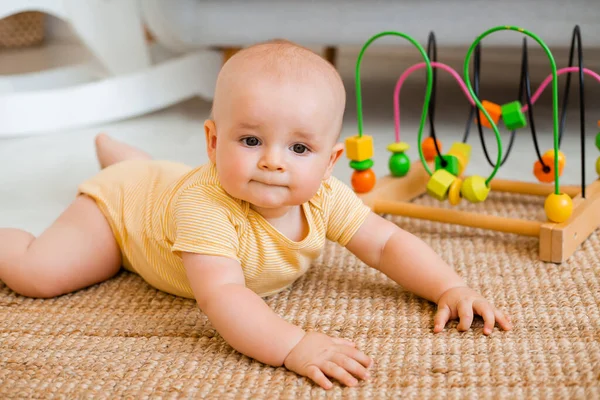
point(428, 147)
point(493, 109)
point(547, 175)
point(363, 181)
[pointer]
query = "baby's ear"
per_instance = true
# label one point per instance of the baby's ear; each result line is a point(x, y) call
point(336, 153)
point(210, 131)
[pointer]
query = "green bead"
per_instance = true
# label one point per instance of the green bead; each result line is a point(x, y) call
point(598, 166)
point(512, 116)
point(399, 164)
point(598, 140)
point(361, 165)
point(452, 164)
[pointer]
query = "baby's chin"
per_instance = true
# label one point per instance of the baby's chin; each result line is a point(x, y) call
point(271, 200)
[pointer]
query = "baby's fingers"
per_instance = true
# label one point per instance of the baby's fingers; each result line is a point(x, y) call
point(356, 355)
point(313, 372)
point(333, 370)
point(350, 365)
point(441, 319)
point(465, 313)
point(486, 311)
point(503, 320)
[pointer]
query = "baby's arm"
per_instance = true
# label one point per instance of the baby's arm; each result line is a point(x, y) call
point(253, 329)
point(415, 266)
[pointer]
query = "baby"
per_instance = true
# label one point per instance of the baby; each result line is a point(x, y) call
point(243, 226)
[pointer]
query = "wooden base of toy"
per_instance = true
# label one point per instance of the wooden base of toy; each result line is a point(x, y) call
point(558, 242)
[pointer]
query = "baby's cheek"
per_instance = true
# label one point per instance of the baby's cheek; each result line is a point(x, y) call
point(310, 181)
point(234, 163)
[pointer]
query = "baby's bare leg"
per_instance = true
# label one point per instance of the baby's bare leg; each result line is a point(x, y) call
point(110, 151)
point(76, 251)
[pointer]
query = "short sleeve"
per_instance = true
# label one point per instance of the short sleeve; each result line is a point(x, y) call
point(204, 224)
point(345, 212)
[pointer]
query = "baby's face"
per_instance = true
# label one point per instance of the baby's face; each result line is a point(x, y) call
point(275, 141)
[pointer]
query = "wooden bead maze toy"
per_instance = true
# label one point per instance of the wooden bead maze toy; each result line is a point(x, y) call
point(572, 212)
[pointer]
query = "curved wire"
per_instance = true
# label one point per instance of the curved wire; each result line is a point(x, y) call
point(525, 78)
point(576, 37)
point(459, 80)
point(432, 54)
point(476, 73)
point(359, 108)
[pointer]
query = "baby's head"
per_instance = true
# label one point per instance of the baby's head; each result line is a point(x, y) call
point(277, 117)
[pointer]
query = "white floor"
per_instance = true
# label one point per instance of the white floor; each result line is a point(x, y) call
point(39, 175)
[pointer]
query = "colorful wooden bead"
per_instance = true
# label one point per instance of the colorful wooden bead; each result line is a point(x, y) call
point(398, 147)
point(598, 140)
point(361, 165)
point(439, 184)
point(359, 148)
point(558, 207)
point(454, 196)
point(399, 164)
point(462, 151)
point(512, 116)
point(561, 159)
point(493, 109)
point(449, 163)
point(428, 146)
point(363, 181)
point(546, 173)
point(474, 189)
point(598, 166)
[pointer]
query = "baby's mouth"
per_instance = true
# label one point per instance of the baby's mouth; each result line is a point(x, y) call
point(271, 184)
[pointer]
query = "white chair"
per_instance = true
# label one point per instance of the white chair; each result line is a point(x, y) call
point(129, 76)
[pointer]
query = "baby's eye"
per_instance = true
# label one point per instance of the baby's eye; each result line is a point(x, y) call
point(251, 141)
point(299, 148)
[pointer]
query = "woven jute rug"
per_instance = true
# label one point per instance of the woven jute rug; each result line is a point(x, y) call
point(123, 339)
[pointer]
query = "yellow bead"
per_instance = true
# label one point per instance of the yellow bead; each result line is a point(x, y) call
point(558, 207)
point(561, 159)
point(598, 166)
point(462, 151)
point(474, 189)
point(439, 183)
point(359, 148)
point(400, 147)
point(454, 192)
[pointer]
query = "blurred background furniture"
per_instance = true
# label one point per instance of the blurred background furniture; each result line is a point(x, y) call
point(150, 54)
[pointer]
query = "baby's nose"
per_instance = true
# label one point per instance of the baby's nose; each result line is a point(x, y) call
point(272, 161)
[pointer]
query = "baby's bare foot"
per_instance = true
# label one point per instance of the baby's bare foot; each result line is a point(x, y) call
point(110, 151)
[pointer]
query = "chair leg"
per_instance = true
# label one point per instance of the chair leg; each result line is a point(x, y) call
point(229, 52)
point(122, 49)
point(331, 54)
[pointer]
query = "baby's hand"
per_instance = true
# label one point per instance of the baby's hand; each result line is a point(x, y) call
point(317, 355)
point(460, 302)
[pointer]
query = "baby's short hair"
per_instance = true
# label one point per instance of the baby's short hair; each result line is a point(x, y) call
point(281, 57)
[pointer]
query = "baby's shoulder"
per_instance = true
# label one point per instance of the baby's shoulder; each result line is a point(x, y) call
point(329, 190)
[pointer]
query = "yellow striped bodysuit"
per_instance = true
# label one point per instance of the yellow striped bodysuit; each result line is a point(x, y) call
point(158, 209)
